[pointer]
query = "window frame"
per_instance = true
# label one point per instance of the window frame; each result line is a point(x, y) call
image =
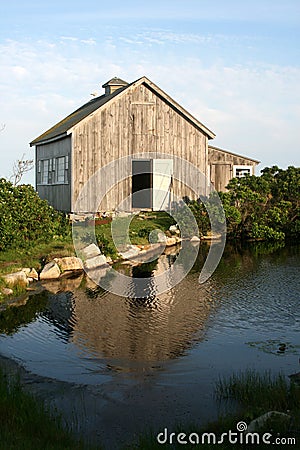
point(242, 167)
point(53, 171)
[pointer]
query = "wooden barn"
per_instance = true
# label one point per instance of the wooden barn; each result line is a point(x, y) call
point(129, 120)
point(224, 165)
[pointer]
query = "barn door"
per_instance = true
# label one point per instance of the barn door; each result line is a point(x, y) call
point(161, 183)
point(141, 184)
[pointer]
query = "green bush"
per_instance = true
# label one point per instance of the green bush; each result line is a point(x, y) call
point(26, 218)
point(265, 207)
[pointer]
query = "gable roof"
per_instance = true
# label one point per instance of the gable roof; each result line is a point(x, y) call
point(231, 153)
point(62, 128)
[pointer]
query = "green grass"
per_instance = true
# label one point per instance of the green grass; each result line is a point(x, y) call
point(38, 254)
point(140, 227)
point(260, 391)
point(27, 424)
point(254, 394)
point(35, 255)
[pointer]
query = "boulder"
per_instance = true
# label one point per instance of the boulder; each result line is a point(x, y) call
point(7, 291)
point(211, 235)
point(33, 274)
point(15, 278)
point(93, 263)
point(173, 229)
point(161, 238)
point(170, 241)
point(51, 271)
point(91, 251)
point(270, 417)
point(195, 239)
point(295, 377)
point(69, 263)
point(132, 251)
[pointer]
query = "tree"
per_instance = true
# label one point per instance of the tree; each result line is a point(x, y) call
point(20, 167)
point(26, 218)
point(264, 207)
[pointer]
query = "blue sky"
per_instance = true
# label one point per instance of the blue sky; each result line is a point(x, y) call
point(235, 65)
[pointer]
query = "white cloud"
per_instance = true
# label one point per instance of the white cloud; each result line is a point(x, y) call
point(254, 109)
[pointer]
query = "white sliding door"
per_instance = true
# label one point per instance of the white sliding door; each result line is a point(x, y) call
point(162, 177)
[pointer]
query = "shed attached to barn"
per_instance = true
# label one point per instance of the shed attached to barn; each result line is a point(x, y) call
point(224, 165)
point(128, 120)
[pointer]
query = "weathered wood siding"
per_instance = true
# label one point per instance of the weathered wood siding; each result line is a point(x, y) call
point(221, 166)
point(58, 195)
point(137, 121)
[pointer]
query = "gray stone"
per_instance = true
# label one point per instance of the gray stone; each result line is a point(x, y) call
point(51, 271)
point(93, 263)
point(15, 278)
point(7, 291)
point(132, 251)
point(69, 263)
point(91, 251)
point(170, 241)
point(261, 421)
point(295, 377)
point(33, 274)
point(161, 238)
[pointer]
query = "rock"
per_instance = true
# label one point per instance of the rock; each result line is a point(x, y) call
point(69, 263)
point(173, 229)
point(51, 271)
point(7, 291)
point(93, 263)
point(295, 377)
point(33, 274)
point(15, 278)
point(91, 251)
point(195, 239)
point(131, 252)
point(210, 236)
point(170, 241)
point(157, 236)
point(265, 419)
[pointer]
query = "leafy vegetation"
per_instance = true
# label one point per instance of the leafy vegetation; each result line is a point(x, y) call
point(25, 218)
point(265, 207)
point(27, 424)
point(111, 240)
point(255, 394)
point(260, 393)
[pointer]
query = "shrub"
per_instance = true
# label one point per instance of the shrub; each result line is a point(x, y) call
point(26, 218)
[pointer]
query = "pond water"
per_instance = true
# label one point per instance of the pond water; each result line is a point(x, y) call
point(153, 362)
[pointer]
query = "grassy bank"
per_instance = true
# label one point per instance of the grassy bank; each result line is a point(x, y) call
point(36, 254)
point(27, 424)
point(255, 394)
